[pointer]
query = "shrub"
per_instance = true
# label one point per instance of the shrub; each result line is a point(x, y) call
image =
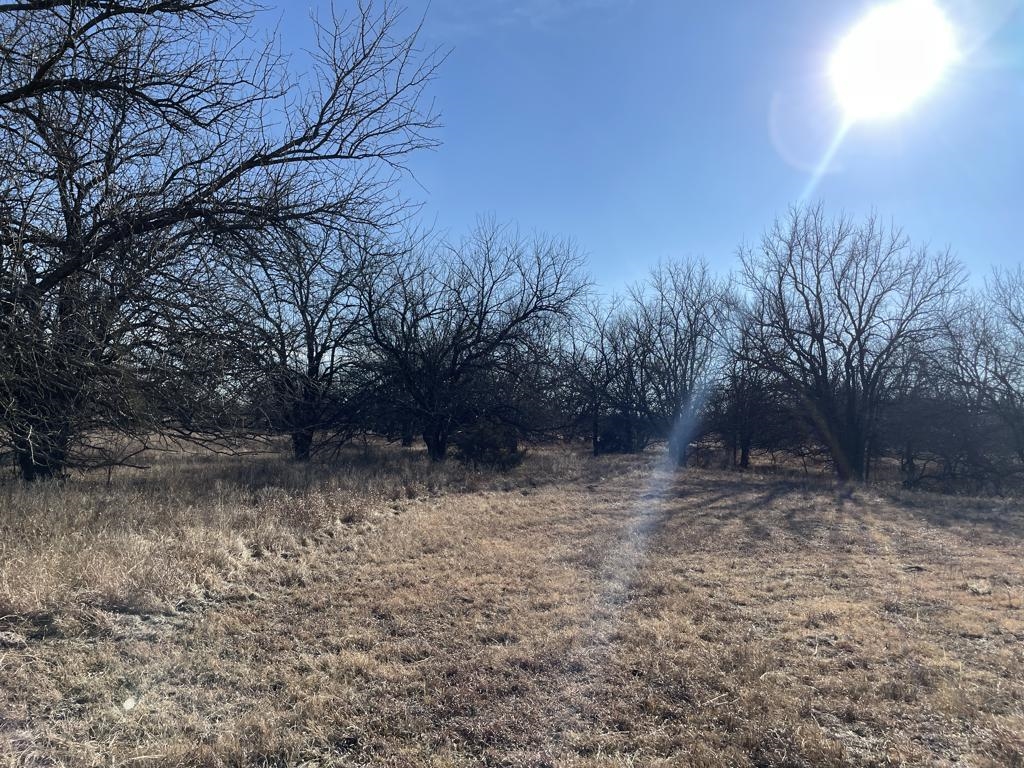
point(490, 445)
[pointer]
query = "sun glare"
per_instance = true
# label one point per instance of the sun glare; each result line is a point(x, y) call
point(892, 58)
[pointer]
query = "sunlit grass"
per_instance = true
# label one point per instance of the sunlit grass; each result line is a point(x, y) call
point(397, 613)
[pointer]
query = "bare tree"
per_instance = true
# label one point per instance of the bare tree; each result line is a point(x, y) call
point(677, 319)
point(291, 317)
point(643, 364)
point(985, 366)
point(930, 421)
point(605, 364)
point(134, 136)
point(1005, 391)
point(453, 326)
point(834, 305)
point(746, 406)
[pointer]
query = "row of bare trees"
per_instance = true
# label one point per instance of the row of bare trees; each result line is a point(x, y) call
point(195, 241)
point(642, 366)
point(835, 338)
point(325, 337)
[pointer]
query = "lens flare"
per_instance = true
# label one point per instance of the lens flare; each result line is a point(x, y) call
point(892, 59)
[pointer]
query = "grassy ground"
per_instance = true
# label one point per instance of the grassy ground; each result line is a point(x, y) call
point(573, 612)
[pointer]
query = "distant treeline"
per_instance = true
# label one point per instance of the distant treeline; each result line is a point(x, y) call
point(193, 242)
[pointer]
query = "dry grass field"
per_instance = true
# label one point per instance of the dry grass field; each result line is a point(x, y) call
point(220, 611)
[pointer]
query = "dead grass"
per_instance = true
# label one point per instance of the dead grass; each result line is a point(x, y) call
point(572, 613)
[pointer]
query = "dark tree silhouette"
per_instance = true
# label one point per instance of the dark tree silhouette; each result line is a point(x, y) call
point(290, 315)
point(451, 326)
point(834, 305)
point(642, 365)
point(677, 319)
point(133, 136)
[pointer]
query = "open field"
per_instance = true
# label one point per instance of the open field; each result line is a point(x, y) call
point(573, 612)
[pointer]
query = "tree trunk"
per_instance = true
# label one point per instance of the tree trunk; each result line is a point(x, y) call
point(679, 450)
point(407, 434)
point(302, 444)
point(303, 415)
point(436, 438)
point(841, 427)
point(851, 456)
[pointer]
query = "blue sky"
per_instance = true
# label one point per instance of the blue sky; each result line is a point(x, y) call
point(652, 129)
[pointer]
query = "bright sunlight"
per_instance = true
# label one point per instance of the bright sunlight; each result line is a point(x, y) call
point(892, 58)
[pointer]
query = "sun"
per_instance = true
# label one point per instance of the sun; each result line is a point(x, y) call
point(892, 58)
